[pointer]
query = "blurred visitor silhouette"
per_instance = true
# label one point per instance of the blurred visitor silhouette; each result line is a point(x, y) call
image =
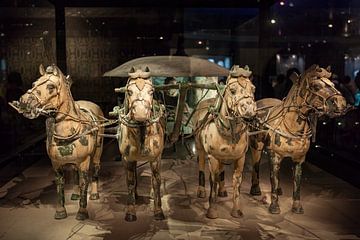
point(278, 85)
point(343, 87)
point(357, 93)
point(14, 87)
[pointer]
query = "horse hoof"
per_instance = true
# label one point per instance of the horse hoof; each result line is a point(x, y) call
point(274, 208)
point(159, 216)
point(223, 194)
point(297, 208)
point(94, 196)
point(82, 215)
point(75, 196)
point(201, 193)
point(255, 190)
point(212, 213)
point(60, 214)
point(279, 191)
point(130, 217)
point(236, 213)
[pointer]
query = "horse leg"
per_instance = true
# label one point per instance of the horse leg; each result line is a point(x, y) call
point(76, 189)
point(222, 189)
point(256, 151)
point(94, 183)
point(214, 179)
point(201, 192)
point(96, 164)
point(82, 214)
point(297, 171)
point(130, 167)
point(275, 160)
point(60, 181)
point(237, 180)
point(156, 182)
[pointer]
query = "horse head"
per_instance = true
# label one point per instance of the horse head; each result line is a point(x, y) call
point(46, 93)
point(319, 92)
point(139, 95)
point(239, 93)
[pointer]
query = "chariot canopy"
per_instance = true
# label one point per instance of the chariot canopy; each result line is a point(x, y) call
point(171, 66)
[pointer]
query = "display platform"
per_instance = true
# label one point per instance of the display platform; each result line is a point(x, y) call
point(27, 205)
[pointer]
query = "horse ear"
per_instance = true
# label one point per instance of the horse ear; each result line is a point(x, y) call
point(328, 68)
point(132, 70)
point(41, 69)
point(56, 70)
point(294, 77)
point(69, 80)
point(147, 69)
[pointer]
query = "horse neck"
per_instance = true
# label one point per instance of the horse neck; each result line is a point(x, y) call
point(295, 111)
point(68, 110)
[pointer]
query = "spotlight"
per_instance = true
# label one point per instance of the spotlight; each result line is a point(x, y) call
point(207, 48)
point(273, 21)
point(161, 38)
point(282, 3)
point(330, 25)
point(349, 21)
point(200, 42)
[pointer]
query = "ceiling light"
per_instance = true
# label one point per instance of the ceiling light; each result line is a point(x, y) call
point(207, 48)
point(349, 21)
point(330, 25)
point(273, 21)
point(282, 3)
point(161, 38)
point(291, 4)
point(200, 42)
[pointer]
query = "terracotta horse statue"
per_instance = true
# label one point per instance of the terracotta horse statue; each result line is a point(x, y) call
point(141, 137)
point(73, 132)
point(288, 126)
point(221, 134)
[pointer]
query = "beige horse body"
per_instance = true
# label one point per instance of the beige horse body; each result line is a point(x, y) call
point(141, 137)
point(73, 134)
point(289, 127)
point(223, 137)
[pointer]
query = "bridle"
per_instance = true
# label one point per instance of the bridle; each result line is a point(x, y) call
point(307, 93)
point(245, 95)
point(42, 102)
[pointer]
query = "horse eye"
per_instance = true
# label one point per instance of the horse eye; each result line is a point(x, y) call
point(151, 92)
point(130, 92)
point(50, 86)
point(233, 90)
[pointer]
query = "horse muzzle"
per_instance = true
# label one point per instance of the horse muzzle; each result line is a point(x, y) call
point(247, 108)
point(140, 111)
point(336, 106)
point(27, 105)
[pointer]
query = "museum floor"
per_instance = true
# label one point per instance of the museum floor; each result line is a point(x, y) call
point(27, 206)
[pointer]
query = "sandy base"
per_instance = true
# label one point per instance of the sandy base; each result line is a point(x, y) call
point(27, 206)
